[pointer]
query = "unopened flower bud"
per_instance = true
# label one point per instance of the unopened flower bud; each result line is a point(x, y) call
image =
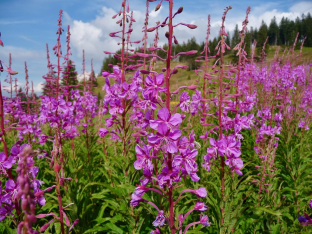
point(1, 43)
point(105, 73)
point(144, 72)
point(191, 26)
point(180, 10)
point(32, 218)
point(12, 72)
point(151, 29)
point(26, 189)
point(57, 167)
point(157, 7)
point(114, 16)
point(191, 52)
point(167, 34)
point(24, 204)
point(175, 41)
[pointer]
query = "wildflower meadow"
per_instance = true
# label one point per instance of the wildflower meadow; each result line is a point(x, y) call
point(228, 151)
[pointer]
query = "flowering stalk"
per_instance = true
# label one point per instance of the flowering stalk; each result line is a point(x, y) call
point(170, 28)
point(26, 193)
point(58, 159)
point(220, 106)
point(241, 52)
point(165, 145)
point(206, 49)
point(85, 103)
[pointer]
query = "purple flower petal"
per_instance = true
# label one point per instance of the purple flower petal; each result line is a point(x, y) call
point(10, 185)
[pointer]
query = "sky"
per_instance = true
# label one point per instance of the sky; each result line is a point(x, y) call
point(26, 27)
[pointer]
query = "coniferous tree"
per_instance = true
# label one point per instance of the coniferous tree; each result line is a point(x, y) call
point(273, 32)
point(70, 77)
point(261, 37)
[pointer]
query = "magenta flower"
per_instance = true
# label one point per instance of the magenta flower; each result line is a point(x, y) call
point(165, 117)
point(204, 220)
point(116, 75)
point(148, 102)
point(200, 206)
point(187, 160)
point(184, 101)
point(164, 135)
point(155, 231)
point(201, 192)
point(4, 163)
point(143, 157)
point(160, 219)
point(228, 146)
point(136, 200)
point(154, 85)
point(103, 132)
point(235, 164)
point(140, 190)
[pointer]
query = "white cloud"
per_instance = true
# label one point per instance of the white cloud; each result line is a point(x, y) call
point(20, 53)
point(301, 7)
point(154, 13)
point(93, 36)
point(86, 75)
point(38, 87)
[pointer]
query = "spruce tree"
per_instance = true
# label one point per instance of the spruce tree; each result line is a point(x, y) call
point(69, 78)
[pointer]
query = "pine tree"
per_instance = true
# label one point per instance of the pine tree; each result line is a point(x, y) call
point(261, 37)
point(235, 39)
point(273, 32)
point(69, 78)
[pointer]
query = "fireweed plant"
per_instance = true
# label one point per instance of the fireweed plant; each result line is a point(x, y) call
point(163, 154)
point(235, 148)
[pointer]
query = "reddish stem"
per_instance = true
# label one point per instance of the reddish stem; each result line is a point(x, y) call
point(171, 212)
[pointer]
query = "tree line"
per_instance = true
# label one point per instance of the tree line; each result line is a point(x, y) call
point(282, 34)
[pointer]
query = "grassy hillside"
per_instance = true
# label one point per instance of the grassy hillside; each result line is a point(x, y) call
point(185, 77)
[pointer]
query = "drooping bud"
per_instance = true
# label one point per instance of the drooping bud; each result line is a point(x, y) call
point(175, 40)
point(164, 23)
point(191, 52)
point(144, 72)
point(191, 26)
point(11, 72)
point(158, 6)
point(1, 43)
point(143, 55)
point(151, 29)
point(167, 34)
